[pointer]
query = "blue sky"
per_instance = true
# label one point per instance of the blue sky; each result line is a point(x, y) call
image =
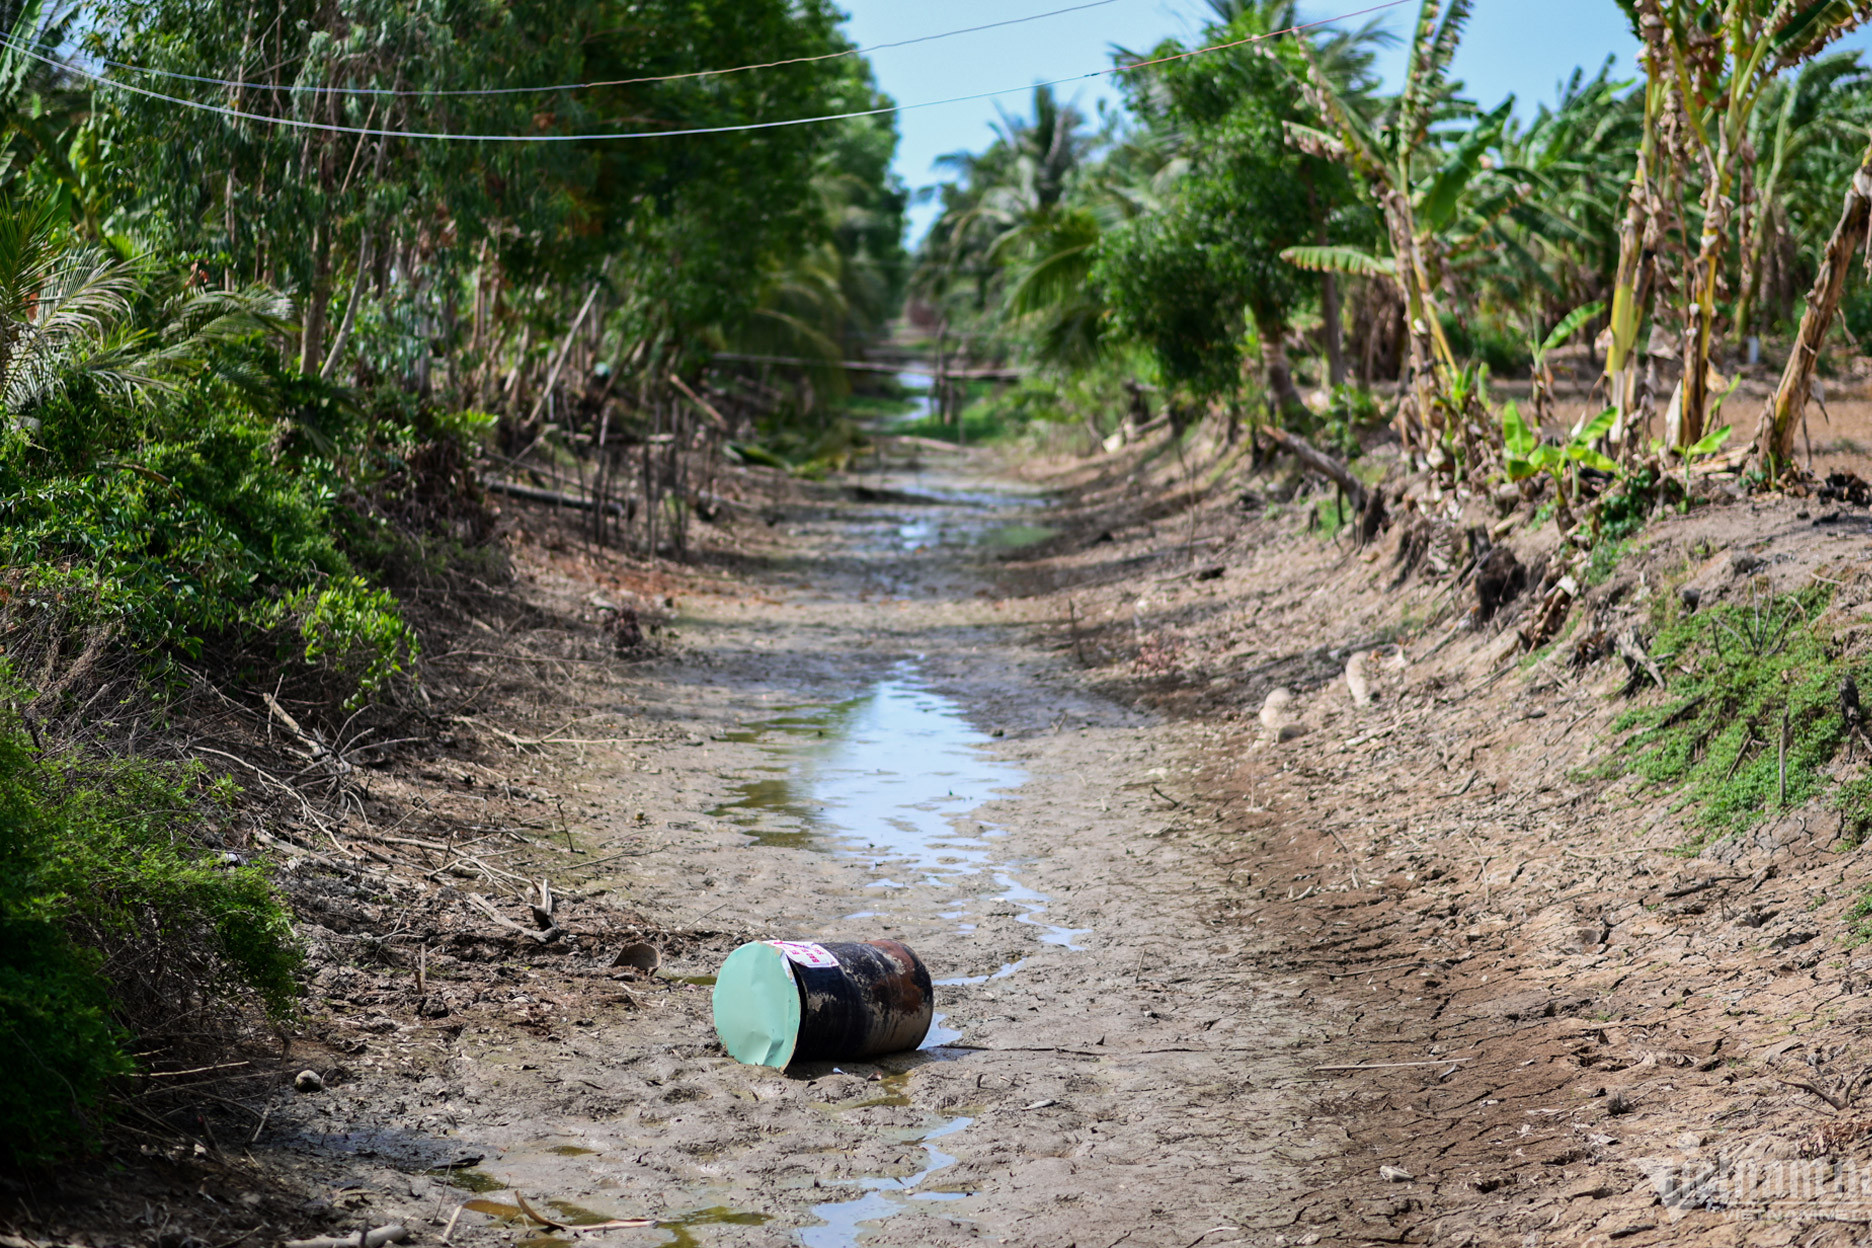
point(1523, 47)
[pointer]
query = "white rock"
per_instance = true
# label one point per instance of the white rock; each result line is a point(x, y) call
point(1276, 709)
point(1355, 680)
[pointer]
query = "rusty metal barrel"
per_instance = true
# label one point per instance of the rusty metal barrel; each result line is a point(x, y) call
point(783, 1001)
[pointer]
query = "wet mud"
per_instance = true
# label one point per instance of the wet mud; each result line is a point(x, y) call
point(859, 744)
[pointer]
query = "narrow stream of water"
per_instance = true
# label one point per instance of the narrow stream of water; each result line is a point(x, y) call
point(891, 777)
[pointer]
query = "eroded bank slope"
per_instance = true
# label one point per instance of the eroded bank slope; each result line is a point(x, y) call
point(1577, 1007)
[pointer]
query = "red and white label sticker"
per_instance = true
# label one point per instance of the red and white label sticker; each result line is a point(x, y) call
point(806, 953)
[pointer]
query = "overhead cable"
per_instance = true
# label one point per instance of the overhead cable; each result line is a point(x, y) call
point(309, 89)
point(298, 123)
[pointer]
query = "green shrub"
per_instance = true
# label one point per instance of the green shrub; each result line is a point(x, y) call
point(199, 522)
point(1856, 311)
point(1352, 411)
point(1505, 353)
point(112, 903)
point(353, 632)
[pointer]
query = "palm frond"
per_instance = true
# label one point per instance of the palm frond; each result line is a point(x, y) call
point(1350, 260)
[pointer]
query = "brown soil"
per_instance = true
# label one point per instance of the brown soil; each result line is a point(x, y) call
point(1180, 922)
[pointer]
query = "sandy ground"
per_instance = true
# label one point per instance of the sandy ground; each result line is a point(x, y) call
point(1394, 972)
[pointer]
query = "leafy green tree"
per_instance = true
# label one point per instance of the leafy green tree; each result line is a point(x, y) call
point(1246, 199)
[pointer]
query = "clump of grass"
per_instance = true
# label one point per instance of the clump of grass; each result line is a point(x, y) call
point(1755, 672)
point(118, 918)
point(1332, 515)
point(1859, 921)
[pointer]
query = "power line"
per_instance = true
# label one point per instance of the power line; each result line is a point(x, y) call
point(606, 82)
point(297, 123)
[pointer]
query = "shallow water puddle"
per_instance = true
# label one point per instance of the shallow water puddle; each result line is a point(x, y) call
point(884, 1198)
point(891, 777)
point(885, 775)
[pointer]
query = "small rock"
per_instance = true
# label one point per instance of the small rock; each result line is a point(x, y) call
point(1392, 1174)
point(1288, 732)
point(1356, 682)
point(308, 1081)
point(1275, 709)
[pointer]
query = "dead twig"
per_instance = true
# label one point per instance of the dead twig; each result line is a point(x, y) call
point(1836, 1102)
point(1442, 1061)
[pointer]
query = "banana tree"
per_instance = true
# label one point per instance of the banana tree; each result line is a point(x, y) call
point(1543, 378)
point(1774, 437)
point(1527, 456)
point(1421, 201)
point(1808, 128)
point(1632, 283)
point(1717, 58)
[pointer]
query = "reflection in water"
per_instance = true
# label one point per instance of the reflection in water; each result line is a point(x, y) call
point(887, 774)
point(884, 1198)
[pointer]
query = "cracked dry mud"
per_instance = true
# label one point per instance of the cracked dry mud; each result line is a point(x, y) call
point(865, 748)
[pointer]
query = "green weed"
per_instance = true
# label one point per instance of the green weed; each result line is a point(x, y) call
point(1333, 514)
point(1754, 671)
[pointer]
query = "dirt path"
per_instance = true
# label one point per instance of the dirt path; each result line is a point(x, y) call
point(862, 747)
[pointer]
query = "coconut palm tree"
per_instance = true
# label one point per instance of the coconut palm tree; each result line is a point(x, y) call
point(69, 310)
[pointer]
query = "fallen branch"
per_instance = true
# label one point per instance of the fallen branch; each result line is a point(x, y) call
point(615, 1224)
point(1828, 1097)
point(1319, 462)
point(557, 498)
point(482, 904)
point(1443, 1061)
point(708, 409)
point(1633, 651)
point(315, 748)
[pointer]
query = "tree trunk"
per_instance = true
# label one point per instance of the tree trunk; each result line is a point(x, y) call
point(351, 307)
point(1700, 330)
point(1631, 285)
point(1335, 340)
point(1774, 437)
point(312, 330)
point(1331, 336)
point(1428, 383)
point(1278, 372)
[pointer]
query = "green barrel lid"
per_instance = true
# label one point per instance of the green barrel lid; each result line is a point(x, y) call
point(757, 1007)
